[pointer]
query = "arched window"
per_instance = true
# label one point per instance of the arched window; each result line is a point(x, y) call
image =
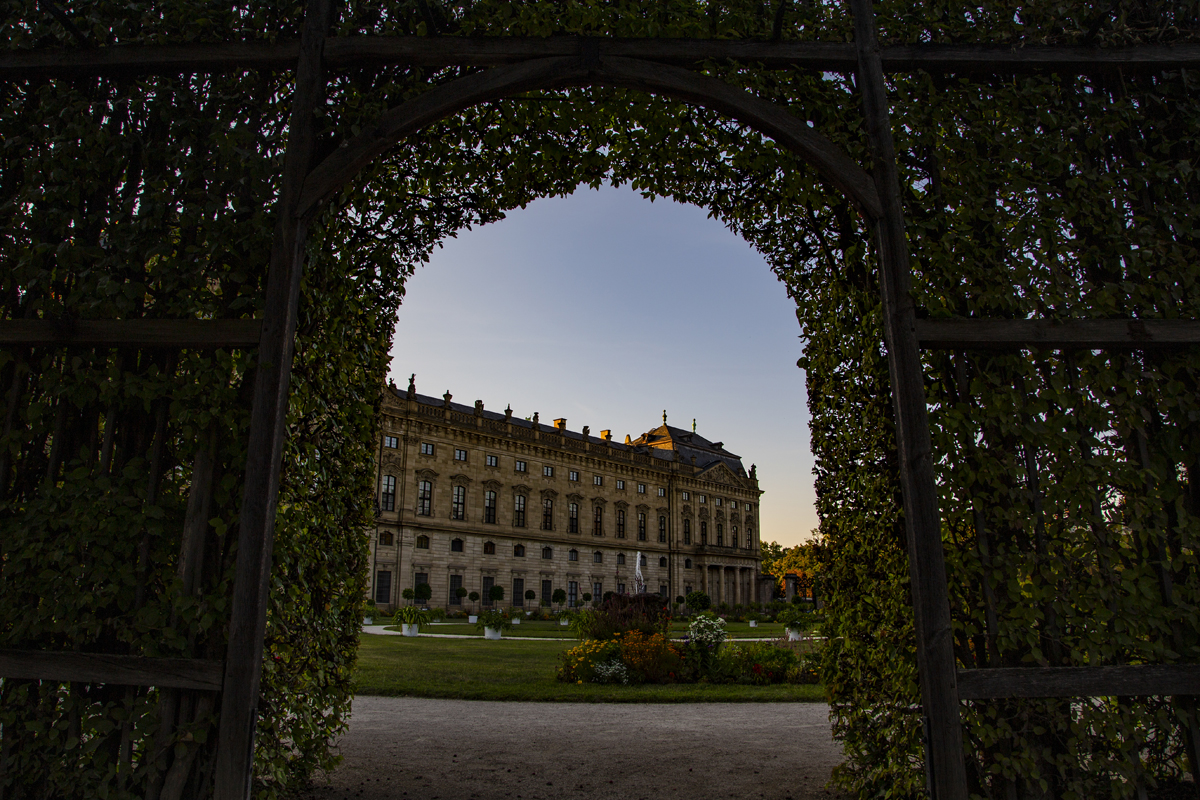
point(620, 523)
point(489, 548)
point(687, 563)
point(662, 561)
point(620, 558)
point(703, 531)
point(422, 542)
point(519, 550)
point(720, 535)
point(598, 522)
point(597, 557)
point(519, 511)
point(547, 552)
point(573, 518)
point(547, 514)
point(662, 528)
point(456, 545)
point(424, 498)
point(687, 531)
point(458, 503)
point(387, 498)
point(573, 555)
point(489, 507)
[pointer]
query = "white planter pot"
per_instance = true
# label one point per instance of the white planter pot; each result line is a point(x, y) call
point(368, 620)
point(564, 622)
point(753, 623)
point(409, 630)
point(793, 635)
point(516, 620)
point(472, 618)
point(491, 633)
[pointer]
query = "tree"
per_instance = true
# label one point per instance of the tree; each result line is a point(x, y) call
point(778, 561)
point(474, 598)
point(408, 594)
point(697, 601)
point(496, 593)
point(460, 593)
point(423, 592)
point(530, 594)
point(559, 597)
point(587, 597)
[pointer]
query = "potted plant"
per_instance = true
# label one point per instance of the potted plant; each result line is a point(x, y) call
point(369, 613)
point(753, 618)
point(411, 619)
point(559, 596)
point(474, 598)
point(460, 593)
point(565, 616)
point(493, 623)
point(796, 620)
point(530, 595)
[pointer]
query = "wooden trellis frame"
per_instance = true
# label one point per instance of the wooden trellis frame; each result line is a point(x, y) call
point(523, 64)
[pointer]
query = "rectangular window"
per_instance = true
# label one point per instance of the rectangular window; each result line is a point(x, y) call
point(703, 531)
point(598, 522)
point(686, 496)
point(641, 488)
point(385, 538)
point(717, 500)
point(488, 583)
point(720, 535)
point(518, 598)
point(547, 514)
point(548, 472)
point(687, 531)
point(662, 590)
point(641, 527)
point(701, 498)
point(455, 585)
point(662, 492)
point(597, 480)
point(458, 503)
point(456, 545)
point(391, 442)
point(547, 592)
point(460, 455)
point(620, 523)
point(597, 591)
point(424, 498)
point(573, 475)
point(420, 578)
point(573, 518)
point(519, 511)
point(491, 461)
point(621, 485)
point(387, 498)
point(383, 587)
point(489, 507)
point(572, 593)
point(662, 528)
point(521, 466)
point(426, 448)
point(620, 588)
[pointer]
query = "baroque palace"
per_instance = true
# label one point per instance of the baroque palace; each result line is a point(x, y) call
point(471, 498)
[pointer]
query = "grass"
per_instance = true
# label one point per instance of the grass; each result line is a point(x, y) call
point(470, 669)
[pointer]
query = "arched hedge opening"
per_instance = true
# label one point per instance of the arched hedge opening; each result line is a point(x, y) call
point(1067, 479)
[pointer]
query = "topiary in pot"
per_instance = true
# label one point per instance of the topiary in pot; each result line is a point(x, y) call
point(474, 598)
point(408, 594)
point(559, 597)
point(423, 592)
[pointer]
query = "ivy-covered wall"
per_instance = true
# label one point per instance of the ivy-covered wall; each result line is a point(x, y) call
point(1068, 481)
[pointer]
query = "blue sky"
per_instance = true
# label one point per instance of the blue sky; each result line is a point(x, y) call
point(605, 308)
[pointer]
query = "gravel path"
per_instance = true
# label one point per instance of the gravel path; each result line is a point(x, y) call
point(402, 748)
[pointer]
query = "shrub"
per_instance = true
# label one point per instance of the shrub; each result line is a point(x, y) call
point(494, 618)
point(559, 596)
point(423, 592)
point(579, 663)
point(650, 658)
point(697, 601)
point(530, 594)
point(437, 614)
point(623, 613)
point(706, 631)
point(411, 615)
point(496, 594)
point(408, 594)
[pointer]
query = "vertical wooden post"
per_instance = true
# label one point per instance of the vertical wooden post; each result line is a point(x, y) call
point(256, 522)
point(945, 767)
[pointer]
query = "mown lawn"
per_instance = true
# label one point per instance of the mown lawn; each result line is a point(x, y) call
point(552, 630)
point(476, 669)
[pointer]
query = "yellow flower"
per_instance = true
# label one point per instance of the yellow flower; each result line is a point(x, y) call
point(581, 681)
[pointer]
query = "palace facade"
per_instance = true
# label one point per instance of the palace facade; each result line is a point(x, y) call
point(472, 498)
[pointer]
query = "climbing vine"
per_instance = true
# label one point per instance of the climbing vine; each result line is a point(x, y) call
point(1069, 482)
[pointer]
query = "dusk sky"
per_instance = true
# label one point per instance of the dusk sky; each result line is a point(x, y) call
point(605, 308)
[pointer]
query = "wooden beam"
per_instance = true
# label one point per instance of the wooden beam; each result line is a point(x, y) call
point(148, 333)
point(354, 52)
point(1094, 334)
point(945, 764)
point(787, 129)
point(1150, 679)
point(167, 673)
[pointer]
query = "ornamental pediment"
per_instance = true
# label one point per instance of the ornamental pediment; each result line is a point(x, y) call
point(599, 501)
point(462, 480)
point(662, 509)
point(687, 510)
point(521, 488)
point(426, 474)
point(621, 504)
point(643, 507)
point(549, 494)
point(721, 473)
point(492, 484)
point(575, 497)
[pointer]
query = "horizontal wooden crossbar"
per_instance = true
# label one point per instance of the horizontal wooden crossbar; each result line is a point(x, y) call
point(1148, 679)
point(1131, 334)
point(169, 673)
point(149, 333)
point(363, 51)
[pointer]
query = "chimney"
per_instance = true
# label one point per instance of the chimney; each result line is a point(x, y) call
point(561, 423)
point(606, 435)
